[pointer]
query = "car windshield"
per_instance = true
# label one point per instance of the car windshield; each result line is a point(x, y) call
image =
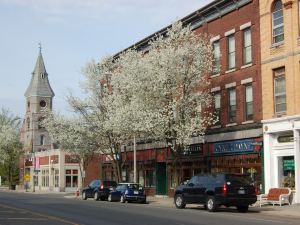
point(134, 186)
point(238, 179)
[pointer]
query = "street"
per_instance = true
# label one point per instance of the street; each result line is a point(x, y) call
point(28, 208)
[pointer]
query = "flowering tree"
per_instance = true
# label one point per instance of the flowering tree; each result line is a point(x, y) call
point(10, 146)
point(160, 95)
point(90, 131)
point(163, 93)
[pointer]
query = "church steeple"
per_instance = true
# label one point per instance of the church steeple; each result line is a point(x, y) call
point(39, 84)
point(39, 96)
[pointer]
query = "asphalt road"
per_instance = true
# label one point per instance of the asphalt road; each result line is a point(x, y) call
point(41, 209)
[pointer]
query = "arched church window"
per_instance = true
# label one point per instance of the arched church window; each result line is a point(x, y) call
point(28, 123)
point(42, 140)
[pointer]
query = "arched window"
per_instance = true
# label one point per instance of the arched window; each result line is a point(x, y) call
point(28, 123)
point(42, 139)
point(277, 22)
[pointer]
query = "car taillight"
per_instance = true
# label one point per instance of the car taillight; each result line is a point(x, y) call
point(224, 189)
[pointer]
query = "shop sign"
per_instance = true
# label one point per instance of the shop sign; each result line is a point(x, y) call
point(288, 164)
point(231, 147)
point(194, 150)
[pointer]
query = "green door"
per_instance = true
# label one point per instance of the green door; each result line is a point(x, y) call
point(161, 187)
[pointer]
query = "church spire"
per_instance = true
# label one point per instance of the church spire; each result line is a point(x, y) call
point(39, 84)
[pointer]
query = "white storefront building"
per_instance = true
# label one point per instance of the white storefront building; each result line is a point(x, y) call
point(282, 153)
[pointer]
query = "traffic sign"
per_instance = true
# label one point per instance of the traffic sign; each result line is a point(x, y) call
point(27, 177)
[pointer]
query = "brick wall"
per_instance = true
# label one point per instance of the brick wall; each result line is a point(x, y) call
point(233, 20)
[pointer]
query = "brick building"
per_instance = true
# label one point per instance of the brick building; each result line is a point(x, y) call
point(234, 144)
point(280, 57)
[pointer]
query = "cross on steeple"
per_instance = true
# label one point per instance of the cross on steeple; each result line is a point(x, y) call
point(40, 47)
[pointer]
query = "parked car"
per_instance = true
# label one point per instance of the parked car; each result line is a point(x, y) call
point(214, 190)
point(128, 192)
point(98, 189)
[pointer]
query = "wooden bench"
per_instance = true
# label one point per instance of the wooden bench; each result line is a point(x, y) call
point(278, 196)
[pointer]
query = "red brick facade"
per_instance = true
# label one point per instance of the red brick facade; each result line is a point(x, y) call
point(240, 140)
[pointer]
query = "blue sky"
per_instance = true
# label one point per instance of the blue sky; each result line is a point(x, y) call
point(72, 32)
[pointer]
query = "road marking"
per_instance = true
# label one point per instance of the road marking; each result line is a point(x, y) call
point(23, 218)
point(40, 214)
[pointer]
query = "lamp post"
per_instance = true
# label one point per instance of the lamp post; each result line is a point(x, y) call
point(134, 160)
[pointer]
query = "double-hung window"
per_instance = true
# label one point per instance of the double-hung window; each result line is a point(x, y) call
point(216, 57)
point(231, 52)
point(249, 102)
point(217, 107)
point(277, 22)
point(247, 48)
point(232, 105)
point(279, 91)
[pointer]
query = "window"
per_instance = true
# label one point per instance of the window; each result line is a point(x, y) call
point(232, 105)
point(45, 178)
point(277, 22)
point(42, 140)
point(249, 102)
point(28, 123)
point(56, 178)
point(72, 178)
point(216, 57)
point(231, 52)
point(150, 178)
point(279, 91)
point(217, 106)
point(247, 48)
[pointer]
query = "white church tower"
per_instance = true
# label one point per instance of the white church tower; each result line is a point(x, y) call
point(39, 96)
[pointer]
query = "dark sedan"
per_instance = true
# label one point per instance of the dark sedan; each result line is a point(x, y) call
point(128, 192)
point(98, 189)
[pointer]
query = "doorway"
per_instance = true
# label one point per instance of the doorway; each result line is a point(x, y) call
point(161, 175)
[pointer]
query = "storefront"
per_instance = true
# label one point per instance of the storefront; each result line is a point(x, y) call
point(282, 154)
point(51, 170)
point(238, 156)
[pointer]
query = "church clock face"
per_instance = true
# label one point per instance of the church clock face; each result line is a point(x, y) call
point(43, 104)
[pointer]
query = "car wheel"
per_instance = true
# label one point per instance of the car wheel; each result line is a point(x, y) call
point(122, 199)
point(179, 202)
point(242, 208)
point(96, 196)
point(109, 198)
point(211, 204)
point(84, 195)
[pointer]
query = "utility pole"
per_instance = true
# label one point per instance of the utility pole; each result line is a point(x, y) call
point(134, 160)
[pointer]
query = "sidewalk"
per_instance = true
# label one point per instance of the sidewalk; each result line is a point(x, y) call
point(292, 211)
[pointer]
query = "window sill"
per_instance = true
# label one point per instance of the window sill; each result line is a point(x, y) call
point(278, 44)
point(216, 127)
point(215, 75)
point(278, 115)
point(248, 121)
point(231, 124)
point(247, 65)
point(230, 71)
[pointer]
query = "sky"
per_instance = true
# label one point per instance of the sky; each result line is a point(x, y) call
point(72, 32)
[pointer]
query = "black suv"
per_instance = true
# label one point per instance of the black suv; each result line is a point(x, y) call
point(214, 190)
point(98, 189)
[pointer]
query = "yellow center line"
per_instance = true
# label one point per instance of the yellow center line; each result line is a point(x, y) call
point(40, 214)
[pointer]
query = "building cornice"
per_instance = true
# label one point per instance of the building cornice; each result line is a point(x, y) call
point(206, 14)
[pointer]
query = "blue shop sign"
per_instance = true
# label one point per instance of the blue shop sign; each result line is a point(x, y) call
point(229, 147)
